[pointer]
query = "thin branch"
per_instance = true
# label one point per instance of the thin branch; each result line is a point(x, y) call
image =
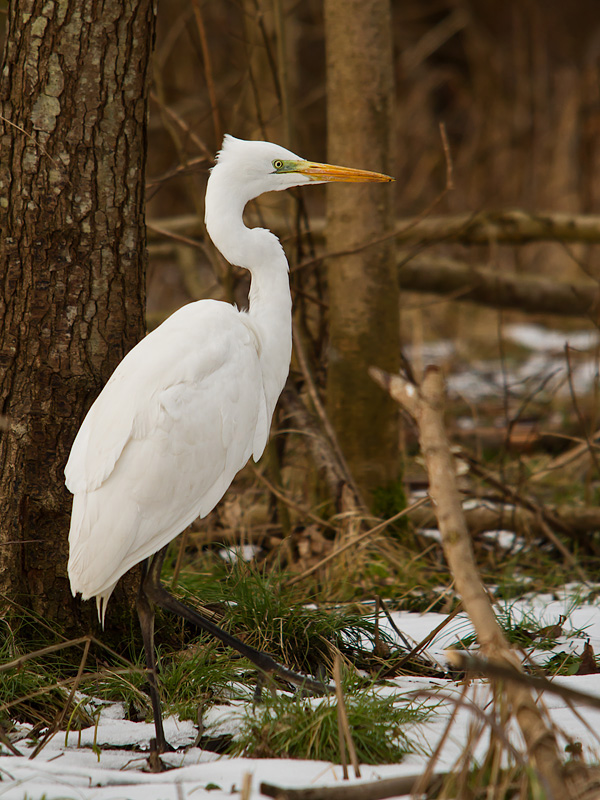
point(353, 542)
point(210, 84)
point(327, 426)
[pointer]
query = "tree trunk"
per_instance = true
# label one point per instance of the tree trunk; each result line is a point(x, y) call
point(363, 287)
point(73, 99)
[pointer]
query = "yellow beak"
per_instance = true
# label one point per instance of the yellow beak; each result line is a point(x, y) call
point(328, 172)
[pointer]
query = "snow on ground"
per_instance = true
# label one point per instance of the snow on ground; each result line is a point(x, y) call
point(545, 366)
point(72, 769)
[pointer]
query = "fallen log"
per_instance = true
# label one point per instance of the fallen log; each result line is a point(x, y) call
point(495, 289)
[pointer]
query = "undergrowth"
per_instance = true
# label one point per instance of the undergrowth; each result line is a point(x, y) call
point(296, 727)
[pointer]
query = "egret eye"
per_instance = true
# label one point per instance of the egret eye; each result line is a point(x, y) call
point(278, 164)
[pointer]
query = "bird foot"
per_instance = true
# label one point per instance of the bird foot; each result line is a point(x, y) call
point(154, 762)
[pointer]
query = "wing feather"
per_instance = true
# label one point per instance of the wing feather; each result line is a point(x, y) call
point(178, 419)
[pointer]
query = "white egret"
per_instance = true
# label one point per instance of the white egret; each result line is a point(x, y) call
point(187, 407)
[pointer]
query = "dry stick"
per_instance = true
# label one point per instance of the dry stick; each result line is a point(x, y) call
point(341, 737)
point(210, 84)
point(282, 73)
point(426, 405)
point(178, 237)
point(60, 718)
point(578, 519)
point(343, 724)
point(190, 134)
point(64, 682)
point(494, 288)
point(565, 552)
point(375, 790)
point(8, 744)
point(504, 227)
point(515, 496)
point(420, 786)
point(430, 637)
point(564, 459)
point(327, 426)
point(470, 663)
point(356, 540)
point(297, 507)
point(18, 662)
point(382, 604)
point(246, 786)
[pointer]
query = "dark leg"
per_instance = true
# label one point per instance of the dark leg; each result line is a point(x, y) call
point(155, 594)
point(145, 611)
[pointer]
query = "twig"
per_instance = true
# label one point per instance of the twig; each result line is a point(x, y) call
point(246, 786)
point(297, 507)
point(7, 743)
point(327, 426)
point(177, 237)
point(421, 785)
point(64, 682)
point(345, 736)
point(356, 540)
point(430, 637)
point(463, 701)
point(382, 604)
point(60, 718)
point(44, 651)
point(210, 84)
point(512, 226)
point(193, 137)
point(504, 672)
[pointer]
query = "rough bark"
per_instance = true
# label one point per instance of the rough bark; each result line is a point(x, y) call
point(73, 97)
point(363, 286)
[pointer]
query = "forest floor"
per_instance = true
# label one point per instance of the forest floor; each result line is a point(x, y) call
point(531, 496)
point(109, 760)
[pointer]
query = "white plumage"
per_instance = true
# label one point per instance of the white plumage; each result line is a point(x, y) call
point(136, 469)
point(187, 407)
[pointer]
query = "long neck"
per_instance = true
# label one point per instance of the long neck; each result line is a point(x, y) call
point(270, 304)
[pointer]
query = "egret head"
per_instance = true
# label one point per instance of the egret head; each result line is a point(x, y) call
point(261, 167)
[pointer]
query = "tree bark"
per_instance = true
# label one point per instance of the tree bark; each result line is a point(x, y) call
point(363, 286)
point(73, 99)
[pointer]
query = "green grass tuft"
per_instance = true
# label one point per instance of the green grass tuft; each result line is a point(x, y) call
point(295, 727)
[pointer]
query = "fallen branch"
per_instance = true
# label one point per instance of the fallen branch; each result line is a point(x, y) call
point(580, 522)
point(426, 404)
point(500, 227)
point(489, 287)
point(466, 662)
point(503, 227)
point(374, 790)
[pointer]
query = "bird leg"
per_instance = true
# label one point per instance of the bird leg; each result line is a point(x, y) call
point(156, 594)
point(145, 611)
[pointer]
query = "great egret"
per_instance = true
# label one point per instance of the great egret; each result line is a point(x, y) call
point(187, 407)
